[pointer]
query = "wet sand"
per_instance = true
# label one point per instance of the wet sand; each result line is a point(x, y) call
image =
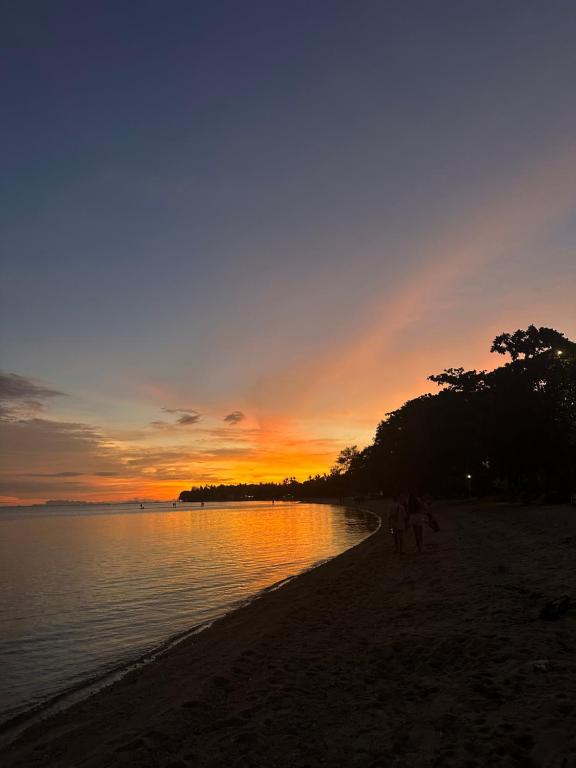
point(370, 660)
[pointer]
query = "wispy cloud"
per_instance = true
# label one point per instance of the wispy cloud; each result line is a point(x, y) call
point(21, 396)
point(15, 490)
point(235, 417)
point(187, 417)
point(179, 410)
point(44, 458)
point(51, 474)
point(48, 447)
point(67, 474)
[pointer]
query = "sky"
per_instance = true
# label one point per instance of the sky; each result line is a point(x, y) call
point(233, 236)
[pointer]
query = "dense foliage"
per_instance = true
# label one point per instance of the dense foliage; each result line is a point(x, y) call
point(509, 430)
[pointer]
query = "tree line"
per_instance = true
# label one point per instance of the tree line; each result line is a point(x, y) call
point(511, 430)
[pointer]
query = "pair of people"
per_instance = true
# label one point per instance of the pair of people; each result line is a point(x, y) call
point(405, 513)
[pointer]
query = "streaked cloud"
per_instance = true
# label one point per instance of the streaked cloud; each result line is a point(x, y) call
point(189, 418)
point(68, 474)
point(45, 458)
point(49, 447)
point(20, 396)
point(179, 410)
point(186, 417)
point(235, 417)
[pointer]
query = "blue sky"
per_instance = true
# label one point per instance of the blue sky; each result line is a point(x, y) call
point(295, 210)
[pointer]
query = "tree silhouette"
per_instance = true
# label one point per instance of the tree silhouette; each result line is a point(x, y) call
point(346, 459)
point(529, 343)
point(510, 430)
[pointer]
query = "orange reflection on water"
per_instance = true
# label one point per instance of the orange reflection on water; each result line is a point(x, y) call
point(101, 585)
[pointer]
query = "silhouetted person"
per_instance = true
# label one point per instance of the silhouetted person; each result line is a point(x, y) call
point(417, 518)
point(141, 506)
point(397, 523)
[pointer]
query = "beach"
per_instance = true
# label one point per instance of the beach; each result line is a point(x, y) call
point(371, 659)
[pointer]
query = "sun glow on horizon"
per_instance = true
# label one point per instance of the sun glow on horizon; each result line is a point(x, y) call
point(232, 281)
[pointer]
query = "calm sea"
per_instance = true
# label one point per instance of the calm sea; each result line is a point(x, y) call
point(87, 589)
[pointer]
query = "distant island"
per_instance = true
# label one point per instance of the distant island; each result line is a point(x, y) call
point(509, 431)
point(70, 503)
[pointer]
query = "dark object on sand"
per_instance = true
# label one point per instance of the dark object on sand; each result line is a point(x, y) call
point(542, 665)
point(552, 611)
point(433, 523)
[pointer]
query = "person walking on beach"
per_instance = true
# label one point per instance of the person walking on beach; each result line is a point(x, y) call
point(417, 518)
point(397, 523)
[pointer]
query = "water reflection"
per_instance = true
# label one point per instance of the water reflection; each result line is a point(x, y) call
point(84, 588)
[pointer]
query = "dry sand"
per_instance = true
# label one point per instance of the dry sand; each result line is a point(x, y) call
point(370, 660)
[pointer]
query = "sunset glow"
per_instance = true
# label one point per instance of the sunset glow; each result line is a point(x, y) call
point(267, 241)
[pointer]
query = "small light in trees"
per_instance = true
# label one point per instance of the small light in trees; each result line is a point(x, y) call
point(559, 352)
point(469, 477)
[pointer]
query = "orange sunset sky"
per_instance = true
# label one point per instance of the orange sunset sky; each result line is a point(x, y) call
point(231, 245)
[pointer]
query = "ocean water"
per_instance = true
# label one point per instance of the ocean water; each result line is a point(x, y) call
point(88, 589)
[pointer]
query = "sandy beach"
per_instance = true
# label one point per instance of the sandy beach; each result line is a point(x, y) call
point(437, 659)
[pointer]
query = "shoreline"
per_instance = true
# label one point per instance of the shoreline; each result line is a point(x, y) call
point(366, 660)
point(13, 728)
